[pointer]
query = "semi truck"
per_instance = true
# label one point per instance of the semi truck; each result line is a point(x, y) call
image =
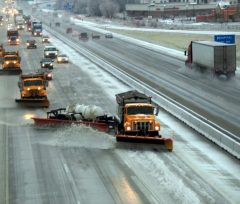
point(137, 120)
point(36, 28)
point(218, 57)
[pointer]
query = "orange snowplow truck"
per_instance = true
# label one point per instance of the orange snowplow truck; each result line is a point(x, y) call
point(137, 120)
point(11, 63)
point(33, 90)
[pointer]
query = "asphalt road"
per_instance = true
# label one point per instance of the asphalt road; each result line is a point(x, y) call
point(215, 98)
point(76, 164)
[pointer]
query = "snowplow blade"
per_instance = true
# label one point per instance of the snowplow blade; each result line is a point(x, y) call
point(104, 127)
point(34, 102)
point(167, 142)
point(10, 71)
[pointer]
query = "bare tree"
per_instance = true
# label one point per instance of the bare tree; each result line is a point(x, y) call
point(108, 8)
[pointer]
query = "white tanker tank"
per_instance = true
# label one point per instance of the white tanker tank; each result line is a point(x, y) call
point(89, 112)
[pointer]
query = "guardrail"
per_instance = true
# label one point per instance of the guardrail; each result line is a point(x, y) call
point(218, 135)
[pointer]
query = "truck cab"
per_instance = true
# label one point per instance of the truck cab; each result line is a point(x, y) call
point(136, 113)
point(32, 86)
point(11, 60)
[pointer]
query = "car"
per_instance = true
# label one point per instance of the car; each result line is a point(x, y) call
point(83, 36)
point(31, 44)
point(46, 63)
point(108, 35)
point(48, 75)
point(96, 36)
point(50, 52)
point(45, 39)
point(62, 58)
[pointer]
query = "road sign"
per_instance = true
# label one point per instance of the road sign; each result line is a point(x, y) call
point(229, 39)
point(68, 6)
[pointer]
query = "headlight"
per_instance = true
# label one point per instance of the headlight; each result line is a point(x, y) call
point(14, 62)
point(39, 88)
point(28, 89)
point(49, 75)
point(7, 62)
point(35, 33)
point(157, 128)
point(47, 53)
point(128, 128)
point(43, 65)
point(9, 40)
point(51, 64)
point(23, 26)
point(17, 40)
point(27, 44)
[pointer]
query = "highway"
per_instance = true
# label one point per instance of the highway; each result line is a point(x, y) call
point(80, 165)
point(202, 92)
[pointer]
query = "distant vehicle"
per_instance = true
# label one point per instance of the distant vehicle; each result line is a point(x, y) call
point(36, 28)
point(57, 24)
point(46, 63)
point(108, 35)
point(19, 21)
point(62, 58)
point(69, 30)
point(48, 75)
point(218, 57)
point(11, 63)
point(13, 37)
point(83, 36)
point(45, 39)
point(50, 52)
point(26, 18)
point(31, 44)
point(29, 26)
point(95, 36)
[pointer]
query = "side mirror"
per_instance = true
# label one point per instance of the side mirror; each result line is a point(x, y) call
point(19, 84)
point(185, 52)
point(46, 83)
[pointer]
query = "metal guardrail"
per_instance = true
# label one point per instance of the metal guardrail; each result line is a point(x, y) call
point(218, 135)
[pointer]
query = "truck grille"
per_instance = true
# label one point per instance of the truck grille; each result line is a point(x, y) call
point(34, 92)
point(142, 126)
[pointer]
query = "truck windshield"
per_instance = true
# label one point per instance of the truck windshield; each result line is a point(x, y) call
point(140, 110)
point(51, 49)
point(33, 83)
point(11, 58)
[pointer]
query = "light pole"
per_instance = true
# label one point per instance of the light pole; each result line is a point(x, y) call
point(164, 5)
point(186, 7)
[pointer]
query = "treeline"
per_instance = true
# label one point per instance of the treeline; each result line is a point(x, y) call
point(105, 8)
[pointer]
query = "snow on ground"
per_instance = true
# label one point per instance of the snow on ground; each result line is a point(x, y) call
point(214, 164)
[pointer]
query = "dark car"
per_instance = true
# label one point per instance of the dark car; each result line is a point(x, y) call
point(48, 75)
point(108, 35)
point(31, 44)
point(46, 63)
point(83, 36)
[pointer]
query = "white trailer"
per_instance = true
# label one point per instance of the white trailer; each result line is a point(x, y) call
point(217, 56)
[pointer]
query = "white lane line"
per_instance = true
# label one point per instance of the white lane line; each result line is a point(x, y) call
point(66, 168)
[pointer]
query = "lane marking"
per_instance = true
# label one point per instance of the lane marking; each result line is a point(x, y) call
point(66, 168)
